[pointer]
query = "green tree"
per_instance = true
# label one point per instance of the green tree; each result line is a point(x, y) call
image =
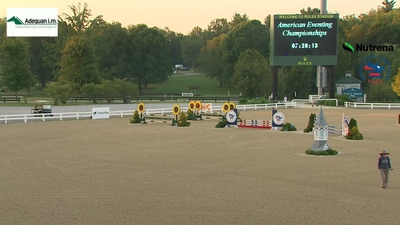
point(3, 29)
point(211, 59)
point(382, 92)
point(310, 11)
point(39, 67)
point(174, 42)
point(78, 64)
point(80, 20)
point(149, 55)
point(217, 27)
point(237, 19)
point(111, 47)
point(53, 47)
point(252, 74)
point(14, 70)
point(300, 79)
point(191, 46)
point(247, 35)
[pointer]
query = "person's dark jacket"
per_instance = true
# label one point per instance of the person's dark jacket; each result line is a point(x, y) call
point(384, 163)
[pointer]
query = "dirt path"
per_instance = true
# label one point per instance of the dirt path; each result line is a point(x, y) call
point(109, 172)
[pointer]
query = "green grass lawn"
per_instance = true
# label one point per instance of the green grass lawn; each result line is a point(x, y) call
point(176, 84)
point(179, 84)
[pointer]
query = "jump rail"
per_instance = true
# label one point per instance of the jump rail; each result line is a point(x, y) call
point(164, 111)
point(359, 105)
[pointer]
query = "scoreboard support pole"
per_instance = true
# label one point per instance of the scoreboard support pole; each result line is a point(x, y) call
point(332, 86)
point(275, 82)
point(321, 69)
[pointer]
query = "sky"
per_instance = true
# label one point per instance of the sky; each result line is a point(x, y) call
point(182, 15)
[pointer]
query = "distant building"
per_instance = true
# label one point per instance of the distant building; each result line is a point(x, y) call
point(347, 82)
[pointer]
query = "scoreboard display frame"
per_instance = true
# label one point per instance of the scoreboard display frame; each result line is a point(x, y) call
point(304, 40)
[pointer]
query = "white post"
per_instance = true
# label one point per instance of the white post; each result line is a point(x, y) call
point(43, 118)
point(25, 119)
point(77, 116)
point(122, 114)
point(60, 117)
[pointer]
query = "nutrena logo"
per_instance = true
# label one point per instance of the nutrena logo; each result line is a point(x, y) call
point(366, 48)
point(18, 21)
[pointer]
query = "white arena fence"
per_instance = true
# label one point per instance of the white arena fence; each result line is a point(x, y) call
point(359, 105)
point(25, 118)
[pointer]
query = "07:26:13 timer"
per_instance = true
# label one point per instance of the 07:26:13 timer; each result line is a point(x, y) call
point(304, 45)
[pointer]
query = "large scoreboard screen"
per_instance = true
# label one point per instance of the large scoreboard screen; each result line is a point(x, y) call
point(298, 40)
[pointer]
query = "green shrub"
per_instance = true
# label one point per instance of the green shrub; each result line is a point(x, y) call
point(352, 123)
point(183, 120)
point(310, 125)
point(135, 117)
point(60, 91)
point(345, 98)
point(329, 103)
point(342, 99)
point(222, 123)
point(288, 127)
point(354, 134)
point(243, 101)
point(190, 112)
point(191, 115)
point(326, 152)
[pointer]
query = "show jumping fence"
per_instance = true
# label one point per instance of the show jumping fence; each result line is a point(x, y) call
point(335, 130)
point(25, 118)
point(265, 124)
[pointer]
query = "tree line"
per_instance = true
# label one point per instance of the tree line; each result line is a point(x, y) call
point(89, 53)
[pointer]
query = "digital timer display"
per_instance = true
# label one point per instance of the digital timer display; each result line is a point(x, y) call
point(305, 36)
point(304, 45)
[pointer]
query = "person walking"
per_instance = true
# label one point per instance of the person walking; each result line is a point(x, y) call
point(384, 166)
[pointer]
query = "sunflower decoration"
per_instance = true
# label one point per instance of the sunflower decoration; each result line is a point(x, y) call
point(176, 109)
point(141, 107)
point(192, 105)
point(190, 112)
point(232, 106)
point(225, 107)
point(198, 105)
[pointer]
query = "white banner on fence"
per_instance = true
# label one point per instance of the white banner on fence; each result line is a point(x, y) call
point(206, 107)
point(101, 113)
point(187, 94)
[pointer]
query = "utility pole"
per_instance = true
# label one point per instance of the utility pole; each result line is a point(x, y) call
point(322, 71)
